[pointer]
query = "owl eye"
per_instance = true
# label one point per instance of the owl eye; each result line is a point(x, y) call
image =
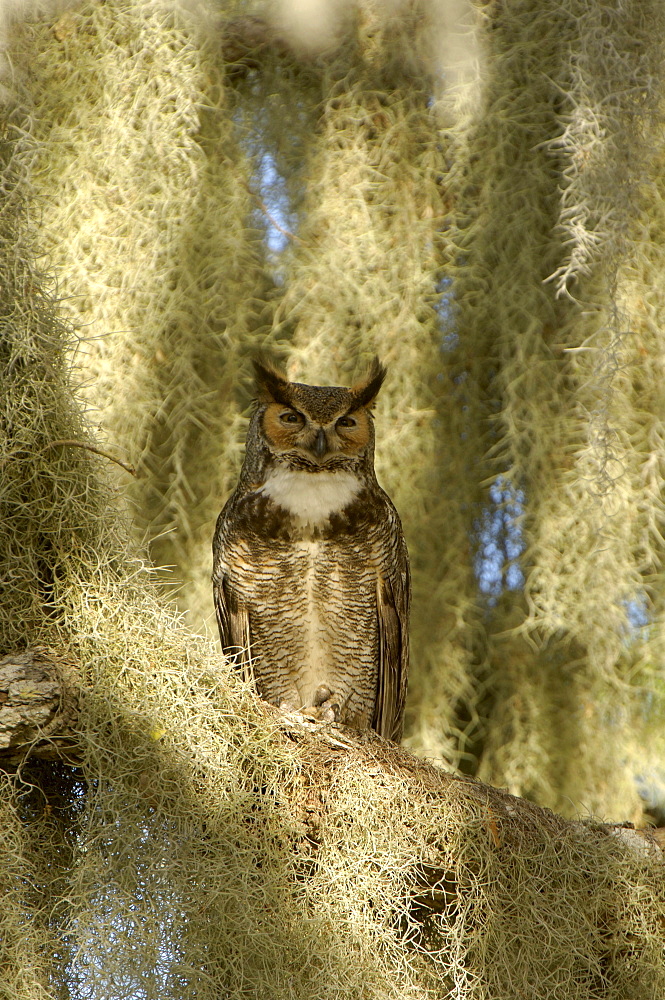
point(347, 422)
point(290, 417)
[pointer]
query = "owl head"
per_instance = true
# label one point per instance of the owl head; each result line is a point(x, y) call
point(316, 427)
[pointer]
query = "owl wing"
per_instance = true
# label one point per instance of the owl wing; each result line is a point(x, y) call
point(393, 599)
point(232, 619)
point(233, 623)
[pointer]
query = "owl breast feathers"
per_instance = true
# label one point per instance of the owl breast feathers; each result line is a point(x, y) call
point(310, 568)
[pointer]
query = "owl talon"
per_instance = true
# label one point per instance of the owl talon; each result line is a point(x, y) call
point(326, 710)
point(329, 712)
point(323, 692)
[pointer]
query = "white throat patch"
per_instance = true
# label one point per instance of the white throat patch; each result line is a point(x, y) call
point(310, 496)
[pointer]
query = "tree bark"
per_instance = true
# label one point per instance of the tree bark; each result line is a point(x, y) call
point(38, 707)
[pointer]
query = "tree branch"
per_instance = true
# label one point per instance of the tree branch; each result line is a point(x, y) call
point(71, 443)
point(40, 692)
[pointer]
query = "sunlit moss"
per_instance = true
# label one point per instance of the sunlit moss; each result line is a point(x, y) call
point(504, 263)
point(186, 871)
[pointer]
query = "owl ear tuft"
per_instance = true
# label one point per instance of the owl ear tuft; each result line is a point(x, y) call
point(271, 385)
point(366, 391)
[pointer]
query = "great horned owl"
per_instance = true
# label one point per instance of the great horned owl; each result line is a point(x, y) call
point(310, 568)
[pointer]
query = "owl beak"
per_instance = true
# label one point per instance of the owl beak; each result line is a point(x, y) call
point(320, 444)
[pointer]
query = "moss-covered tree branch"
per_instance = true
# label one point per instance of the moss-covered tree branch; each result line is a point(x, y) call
point(40, 694)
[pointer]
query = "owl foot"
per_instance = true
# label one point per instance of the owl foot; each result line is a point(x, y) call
point(327, 709)
point(328, 712)
point(322, 694)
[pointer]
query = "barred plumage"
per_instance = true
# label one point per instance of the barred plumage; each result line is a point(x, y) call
point(310, 568)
